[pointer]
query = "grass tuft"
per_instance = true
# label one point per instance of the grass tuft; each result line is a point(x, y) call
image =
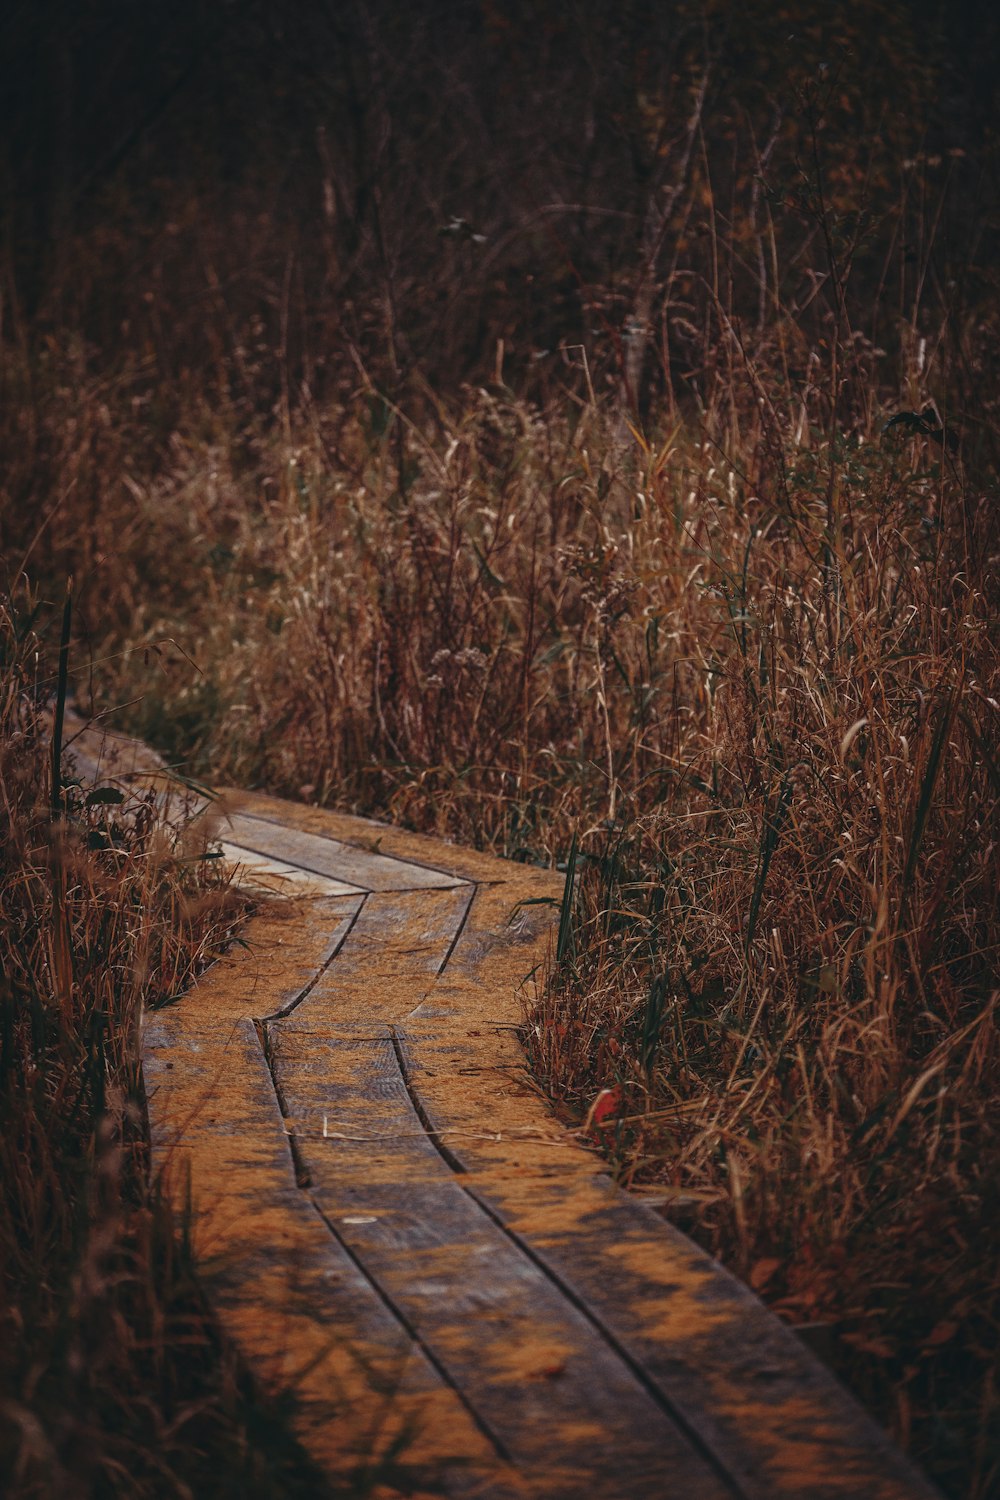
point(113, 1376)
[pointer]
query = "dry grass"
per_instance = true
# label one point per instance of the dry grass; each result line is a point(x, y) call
point(784, 973)
point(740, 655)
point(113, 1377)
point(766, 707)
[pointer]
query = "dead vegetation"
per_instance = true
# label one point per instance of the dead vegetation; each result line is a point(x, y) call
point(634, 509)
point(113, 1377)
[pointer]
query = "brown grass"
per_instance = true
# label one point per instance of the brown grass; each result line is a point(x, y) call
point(739, 652)
point(772, 725)
point(784, 972)
point(113, 1377)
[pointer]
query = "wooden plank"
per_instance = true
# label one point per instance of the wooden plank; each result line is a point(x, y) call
point(361, 868)
point(275, 877)
point(100, 753)
point(561, 1401)
point(590, 1340)
point(502, 947)
point(390, 958)
point(283, 950)
point(398, 843)
point(288, 1291)
point(210, 1099)
point(779, 1423)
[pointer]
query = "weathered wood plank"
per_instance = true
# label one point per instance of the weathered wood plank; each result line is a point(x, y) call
point(275, 877)
point(284, 948)
point(777, 1420)
point(390, 958)
point(287, 1290)
point(561, 1401)
point(362, 868)
point(501, 948)
point(397, 843)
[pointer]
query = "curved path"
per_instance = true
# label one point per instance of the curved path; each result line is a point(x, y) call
point(388, 1217)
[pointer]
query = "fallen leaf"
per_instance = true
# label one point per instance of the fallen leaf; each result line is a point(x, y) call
point(762, 1270)
point(604, 1108)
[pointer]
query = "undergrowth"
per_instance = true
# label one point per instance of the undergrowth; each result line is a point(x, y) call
point(114, 1379)
point(636, 500)
point(775, 1002)
point(768, 717)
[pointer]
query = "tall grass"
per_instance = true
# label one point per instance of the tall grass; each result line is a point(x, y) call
point(784, 968)
point(113, 1376)
point(769, 722)
point(702, 602)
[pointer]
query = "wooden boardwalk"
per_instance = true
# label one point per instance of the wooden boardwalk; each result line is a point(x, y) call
point(388, 1216)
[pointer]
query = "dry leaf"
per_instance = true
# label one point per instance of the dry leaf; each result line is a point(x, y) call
point(762, 1271)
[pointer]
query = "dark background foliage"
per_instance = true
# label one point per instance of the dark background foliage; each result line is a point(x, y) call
point(192, 182)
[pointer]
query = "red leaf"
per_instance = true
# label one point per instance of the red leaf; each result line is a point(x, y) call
point(762, 1271)
point(604, 1108)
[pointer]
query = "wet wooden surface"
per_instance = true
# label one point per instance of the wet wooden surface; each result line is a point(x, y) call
point(390, 1218)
